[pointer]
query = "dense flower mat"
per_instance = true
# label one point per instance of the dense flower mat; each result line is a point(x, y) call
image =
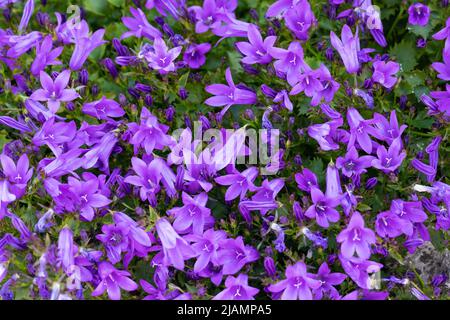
point(127, 168)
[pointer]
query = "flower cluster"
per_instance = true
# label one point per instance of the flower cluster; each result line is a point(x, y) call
point(128, 166)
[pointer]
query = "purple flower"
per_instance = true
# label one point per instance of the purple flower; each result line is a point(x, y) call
point(327, 281)
point(387, 130)
point(161, 58)
point(383, 73)
point(443, 68)
point(442, 99)
point(83, 48)
point(139, 26)
point(309, 83)
point(300, 19)
point(115, 240)
point(389, 160)
point(54, 92)
point(149, 176)
point(17, 175)
point(191, 216)
point(103, 109)
point(391, 225)
point(289, 61)
point(306, 180)
point(356, 238)
point(206, 248)
point(239, 183)
point(297, 285)
point(419, 14)
point(175, 248)
point(237, 289)
point(45, 56)
point(194, 55)
point(86, 196)
point(359, 130)
point(112, 280)
point(27, 13)
point(347, 48)
point(208, 16)
point(359, 270)
point(257, 49)
point(352, 165)
point(228, 95)
point(149, 134)
point(323, 208)
point(328, 135)
point(233, 255)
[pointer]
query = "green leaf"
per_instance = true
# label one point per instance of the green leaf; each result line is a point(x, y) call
point(96, 6)
point(117, 3)
point(405, 53)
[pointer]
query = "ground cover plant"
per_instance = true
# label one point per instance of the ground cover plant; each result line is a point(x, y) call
point(224, 149)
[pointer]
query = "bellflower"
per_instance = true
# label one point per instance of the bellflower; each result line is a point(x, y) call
point(306, 180)
point(289, 61)
point(323, 208)
point(300, 19)
point(328, 135)
point(112, 280)
point(194, 55)
point(192, 215)
point(352, 165)
point(54, 92)
point(162, 59)
point(18, 174)
point(384, 73)
point(139, 26)
point(419, 14)
point(239, 182)
point(234, 254)
point(27, 13)
point(356, 238)
point(360, 130)
point(257, 49)
point(176, 249)
point(389, 160)
point(443, 69)
point(327, 282)
point(208, 17)
point(206, 248)
point(359, 270)
point(45, 56)
point(347, 48)
point(86, 196)
point(103, 109)
point(387, 130)
point(298, 284)
point(390, 225)
point(237, 289)
point(229, 95)
point(84, 47)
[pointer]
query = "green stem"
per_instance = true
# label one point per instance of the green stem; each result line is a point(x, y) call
point(394, 24)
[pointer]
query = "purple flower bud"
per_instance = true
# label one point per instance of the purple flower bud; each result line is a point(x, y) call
point(159, 20)
point(421, 43)
point(403, 102)
point(179, 181)
point(109, 65)
point(178, 40)
point(83, 77)
point(268, 91)
point(248, 114)
point(269, 266)
point(70, 106)
point(120, 48)
point(7, 14)
point(143, 87)
point(148, 100)
point(432, 106)
point(298, 212)
point(371, 183)
point(254, 14)
point(168, 30)
point(250, 69)
point(126, 60)
point(182, 93)
point(134, 93)
point(444, 3)
point(94, 90)
point(123, 99)
point(43, 19)
point(271, 31)
point(298, 160)
point(205, 122)
point(187, 121)
point(170, 113)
